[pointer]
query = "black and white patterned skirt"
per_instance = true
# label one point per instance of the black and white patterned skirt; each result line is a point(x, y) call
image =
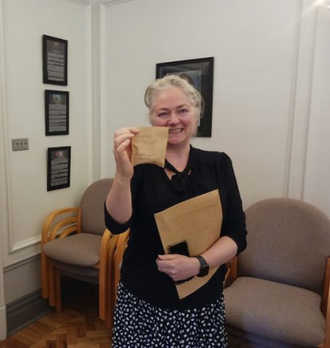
point(137, 324)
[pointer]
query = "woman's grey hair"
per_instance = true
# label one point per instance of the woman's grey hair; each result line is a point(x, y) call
point(169, 81)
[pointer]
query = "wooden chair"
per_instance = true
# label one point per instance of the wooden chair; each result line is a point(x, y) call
point(277, 294)
point(75, 243)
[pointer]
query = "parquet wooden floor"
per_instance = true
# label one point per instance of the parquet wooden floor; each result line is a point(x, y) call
point(78, 326)
point(70, 329)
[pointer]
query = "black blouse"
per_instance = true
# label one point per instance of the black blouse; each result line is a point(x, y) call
point(152, 192)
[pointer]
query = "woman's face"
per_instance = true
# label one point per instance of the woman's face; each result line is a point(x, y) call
point(173, 109)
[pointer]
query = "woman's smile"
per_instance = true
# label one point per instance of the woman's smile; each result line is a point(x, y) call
point(175, 130)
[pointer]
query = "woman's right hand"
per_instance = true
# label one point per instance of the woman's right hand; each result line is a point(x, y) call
point(122, 150)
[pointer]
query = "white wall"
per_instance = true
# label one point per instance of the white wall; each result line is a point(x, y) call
point(255, 45)
point(3, 312)
point(317, 177)
point(24, 199)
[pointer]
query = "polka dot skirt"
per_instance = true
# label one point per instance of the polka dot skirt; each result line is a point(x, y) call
point(141, 325)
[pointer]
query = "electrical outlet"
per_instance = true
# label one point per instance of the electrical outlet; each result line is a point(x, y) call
point(20, 144)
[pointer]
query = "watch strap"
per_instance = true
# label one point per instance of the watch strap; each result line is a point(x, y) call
point(204, 269)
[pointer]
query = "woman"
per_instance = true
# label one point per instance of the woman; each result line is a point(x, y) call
point(148, 311)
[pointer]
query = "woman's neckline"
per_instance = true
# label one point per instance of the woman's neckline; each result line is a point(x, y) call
point(179, 161)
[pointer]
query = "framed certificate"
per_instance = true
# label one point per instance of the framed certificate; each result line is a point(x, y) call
point(56, 112)
point(58, 167)
point(55, 60)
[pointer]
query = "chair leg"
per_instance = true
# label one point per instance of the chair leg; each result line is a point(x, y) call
point(58, 295)
point(115, 265)
point(111, 297)
point(51, 285)
point(44, 276)
point(106, 244)
point(111, 289)
point(103, 296)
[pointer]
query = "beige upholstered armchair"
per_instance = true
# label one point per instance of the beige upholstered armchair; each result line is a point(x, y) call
point(277, 294)
point(75, 243)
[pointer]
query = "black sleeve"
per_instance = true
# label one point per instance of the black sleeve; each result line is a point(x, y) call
point(112, 225)
point(234, 225)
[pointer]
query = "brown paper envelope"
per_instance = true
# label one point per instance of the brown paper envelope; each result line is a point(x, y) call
point(149, 146)
point(197, 221)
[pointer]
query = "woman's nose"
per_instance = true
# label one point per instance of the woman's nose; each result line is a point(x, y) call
point(174, 119)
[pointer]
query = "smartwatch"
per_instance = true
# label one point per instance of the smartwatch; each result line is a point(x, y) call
point(204, 270)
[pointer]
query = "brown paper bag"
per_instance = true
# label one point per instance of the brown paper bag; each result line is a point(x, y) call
point(149, 146)
point(197, 221)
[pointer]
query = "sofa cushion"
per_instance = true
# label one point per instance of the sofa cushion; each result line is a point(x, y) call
point(276, 311)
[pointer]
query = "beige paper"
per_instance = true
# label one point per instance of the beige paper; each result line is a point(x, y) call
point(198, 221)
point(149, 146)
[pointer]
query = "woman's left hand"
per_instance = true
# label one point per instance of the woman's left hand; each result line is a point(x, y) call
point(177, 266)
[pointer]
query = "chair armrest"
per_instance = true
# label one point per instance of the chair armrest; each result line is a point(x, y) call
point(102, 265)
point(327, 323)
point(231, 274)
point(111, 290)
point(326, 290)
point(107, 246)
point(116, 252)
point(55, 222)
point(326, 304)
point(52, 225)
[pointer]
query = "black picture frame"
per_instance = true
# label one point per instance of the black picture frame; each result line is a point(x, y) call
point(199, 72)
point(57, 112)
point(55, 60)
point(58, 167)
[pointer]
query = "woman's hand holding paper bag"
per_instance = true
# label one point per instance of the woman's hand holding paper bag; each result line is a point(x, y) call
point(133, 146)
point(122, 152)
point(149, 146)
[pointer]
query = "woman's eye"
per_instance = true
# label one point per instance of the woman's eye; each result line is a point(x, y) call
point(183, 111)
point(162, 114)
